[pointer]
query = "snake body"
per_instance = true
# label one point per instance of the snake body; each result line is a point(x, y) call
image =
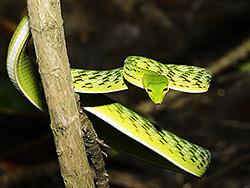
point(182, 153)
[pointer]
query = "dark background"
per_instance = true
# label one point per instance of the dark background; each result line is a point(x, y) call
point(100, 35)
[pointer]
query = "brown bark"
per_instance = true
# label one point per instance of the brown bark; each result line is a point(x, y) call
point(47, 30)
point(93, 149)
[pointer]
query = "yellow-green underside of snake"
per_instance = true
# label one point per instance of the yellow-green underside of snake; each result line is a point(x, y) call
point(159, 146)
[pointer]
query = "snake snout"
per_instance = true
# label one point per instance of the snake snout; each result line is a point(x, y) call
point(157, 101)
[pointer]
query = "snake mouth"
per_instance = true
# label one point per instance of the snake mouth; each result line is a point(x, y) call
point(157, 101)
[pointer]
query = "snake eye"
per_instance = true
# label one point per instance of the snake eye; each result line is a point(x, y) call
point(165, 89)
point(149, 90)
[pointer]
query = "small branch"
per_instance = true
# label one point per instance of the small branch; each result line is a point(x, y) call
point(231, 57)
point(93, 149)
point(47, 31)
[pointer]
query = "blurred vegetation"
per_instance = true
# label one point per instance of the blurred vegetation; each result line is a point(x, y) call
point(100, 34)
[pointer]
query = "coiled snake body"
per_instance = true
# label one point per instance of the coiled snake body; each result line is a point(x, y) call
point(154, 77)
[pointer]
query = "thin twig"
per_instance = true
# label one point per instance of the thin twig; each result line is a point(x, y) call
point(93, 149)
point(230, 58)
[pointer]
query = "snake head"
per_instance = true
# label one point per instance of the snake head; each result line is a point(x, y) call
point(156, 86)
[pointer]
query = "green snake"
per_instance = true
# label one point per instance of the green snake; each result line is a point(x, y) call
point(156, 78)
